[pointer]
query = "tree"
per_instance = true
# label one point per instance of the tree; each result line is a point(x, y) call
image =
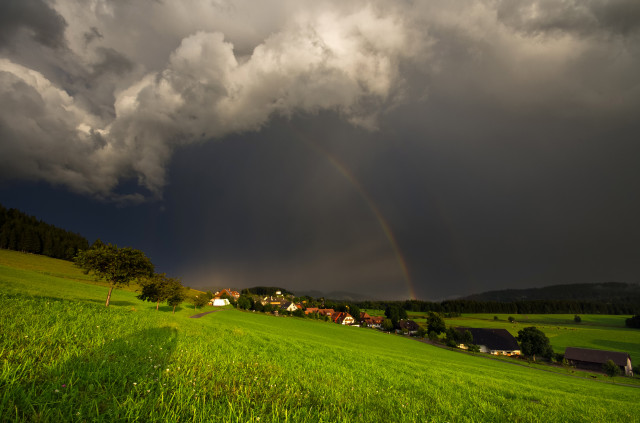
point(244, 302)
point(155, 289)
point(466, 337)
point(435, 323)
point(395, 314)
point(577, 319)
point(533, 341)
point(495, 317)
point(633, 322)
point(118, 266)
point(387, 325)
point(199, 301)
point(611, 369)
point(175, 293)
point(511, 319)
point(473, 348)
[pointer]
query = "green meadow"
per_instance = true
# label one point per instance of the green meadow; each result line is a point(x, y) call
point(603, 332)
point(65, 357)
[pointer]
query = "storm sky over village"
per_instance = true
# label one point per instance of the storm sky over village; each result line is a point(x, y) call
point(426, 149)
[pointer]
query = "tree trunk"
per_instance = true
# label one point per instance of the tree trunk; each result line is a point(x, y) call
point(157, 305)
point(174, 309)
point(109, 296)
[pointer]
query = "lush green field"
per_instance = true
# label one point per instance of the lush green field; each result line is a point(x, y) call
point(65, 357)
point(595, 331)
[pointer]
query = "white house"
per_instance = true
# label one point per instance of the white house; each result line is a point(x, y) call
point(219, 302)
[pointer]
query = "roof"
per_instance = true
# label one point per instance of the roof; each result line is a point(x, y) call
point(341, 317)
point(596, 356)
point(409, 325)
point(493, 339)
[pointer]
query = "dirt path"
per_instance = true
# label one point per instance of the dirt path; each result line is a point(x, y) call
point(197, 316)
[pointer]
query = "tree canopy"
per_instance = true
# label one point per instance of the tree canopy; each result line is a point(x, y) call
point(157, 288)
point(435, 323)
point(118, 266)
point(21, 232)
point(534, 342)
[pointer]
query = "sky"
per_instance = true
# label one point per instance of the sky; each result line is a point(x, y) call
point(394, 150)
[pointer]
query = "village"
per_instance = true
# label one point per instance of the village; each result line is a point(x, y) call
point(493, 341)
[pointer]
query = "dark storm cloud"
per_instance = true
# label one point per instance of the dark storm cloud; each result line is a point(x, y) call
point(496, 139)
point(151, 85)
point(34, 16)
point(582, 17)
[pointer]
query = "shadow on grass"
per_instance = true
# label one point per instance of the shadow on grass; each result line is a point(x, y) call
point(114, 382)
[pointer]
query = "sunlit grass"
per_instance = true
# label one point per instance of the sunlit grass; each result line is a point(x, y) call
point(595, 331)
point(68, 358)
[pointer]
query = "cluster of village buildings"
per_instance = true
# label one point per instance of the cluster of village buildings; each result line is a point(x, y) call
point(279, 302)
point(491, 341)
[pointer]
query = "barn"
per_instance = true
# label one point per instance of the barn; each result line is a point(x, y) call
point(587, 359)
point(493, 341)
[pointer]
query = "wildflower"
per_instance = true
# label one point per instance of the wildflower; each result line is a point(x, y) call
point(64, 386)
point(148, 390)
point(167, 369)
point(56, 391)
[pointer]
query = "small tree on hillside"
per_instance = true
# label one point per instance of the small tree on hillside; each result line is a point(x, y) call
point(118, 266)
point(534, 342)
point(611, 369)
point(633, 322)
point(577, 319)
point(435, 323)
point(473, 348)
point(511, 319)
point(244, 302)
point(199, 301)
point(175, 293)
point(387, 325)
point(155, 289)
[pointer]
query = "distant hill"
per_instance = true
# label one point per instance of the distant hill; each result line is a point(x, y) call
point(334, 295)
point(267, 290)
point(21, 232)
point(592, 292)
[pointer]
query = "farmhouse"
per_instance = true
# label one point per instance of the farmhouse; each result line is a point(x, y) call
point(289, 306)
point(587, 359)
point(326, 312)
point(493, 341)
point(228, 292)
point(310, 310)
point(219, 302)
point(408, 326)
point(343, 318)
point(371, 321)
point(274, 301)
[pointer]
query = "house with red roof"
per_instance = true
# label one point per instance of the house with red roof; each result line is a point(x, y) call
point(343, 318)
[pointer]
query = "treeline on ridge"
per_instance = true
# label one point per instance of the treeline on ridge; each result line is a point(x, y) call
point(21, 232)
point(266, 290)
point(631, 306)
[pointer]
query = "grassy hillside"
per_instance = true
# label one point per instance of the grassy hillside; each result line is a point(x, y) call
point(65, 357)
point(595, 331)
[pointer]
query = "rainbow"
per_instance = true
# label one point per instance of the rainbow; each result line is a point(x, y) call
point(386, 229)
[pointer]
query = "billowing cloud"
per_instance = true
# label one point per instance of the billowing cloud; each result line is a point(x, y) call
point(343, 62)
point(96, 96)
